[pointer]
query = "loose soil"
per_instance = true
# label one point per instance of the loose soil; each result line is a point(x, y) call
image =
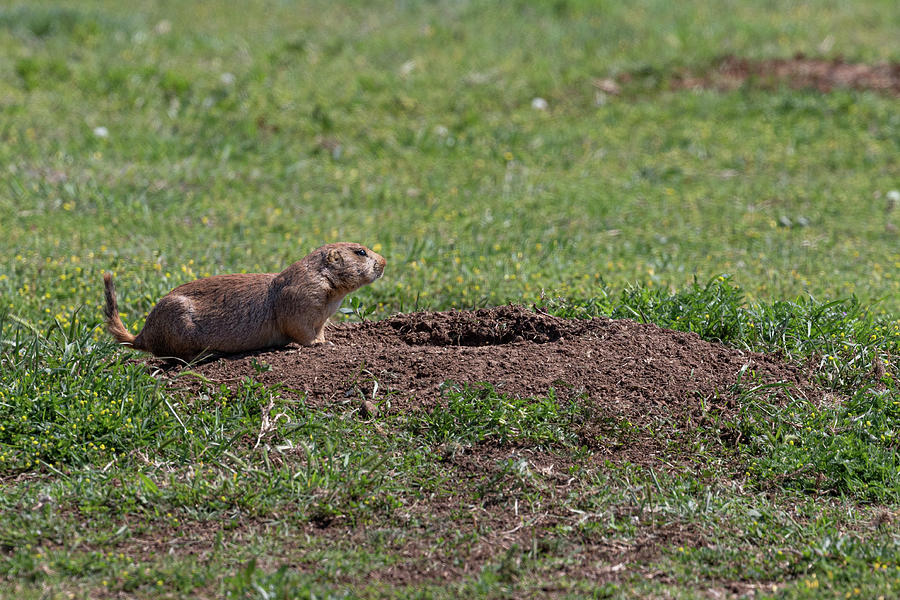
point(799, 72)
point(626, 373)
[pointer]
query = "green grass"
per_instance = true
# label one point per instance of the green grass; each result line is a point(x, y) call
point(473, 416)
point(165, 469)
point(168, 141)
point(472, 195)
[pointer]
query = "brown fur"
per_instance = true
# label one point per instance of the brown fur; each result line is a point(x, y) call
point(243, 312)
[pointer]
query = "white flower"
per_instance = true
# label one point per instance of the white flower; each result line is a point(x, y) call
point(101, 132)
point(407, 67)
point(539, 104)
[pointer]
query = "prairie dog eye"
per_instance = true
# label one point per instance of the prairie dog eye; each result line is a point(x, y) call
point(360, 252)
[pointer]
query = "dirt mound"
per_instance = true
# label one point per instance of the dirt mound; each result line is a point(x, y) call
point(822, 75)
point(799, 72)
point(627, 372)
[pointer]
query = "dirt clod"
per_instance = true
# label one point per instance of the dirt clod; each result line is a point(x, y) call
point(368, 409)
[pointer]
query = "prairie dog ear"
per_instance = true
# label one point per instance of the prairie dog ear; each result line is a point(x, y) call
point(335, 257)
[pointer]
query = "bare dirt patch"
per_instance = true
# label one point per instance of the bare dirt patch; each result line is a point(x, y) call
point(798, 72)
point(623, 371)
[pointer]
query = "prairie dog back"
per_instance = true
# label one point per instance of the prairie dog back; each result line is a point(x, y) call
point(244, 312)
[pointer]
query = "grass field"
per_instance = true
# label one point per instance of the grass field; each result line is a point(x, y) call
point(166, 141)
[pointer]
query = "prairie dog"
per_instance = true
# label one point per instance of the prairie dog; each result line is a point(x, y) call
point(242, 312)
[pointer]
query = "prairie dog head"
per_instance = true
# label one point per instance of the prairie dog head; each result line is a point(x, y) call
point(350, 265)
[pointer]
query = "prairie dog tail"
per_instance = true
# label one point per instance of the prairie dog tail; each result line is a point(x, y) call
point(113, 321)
